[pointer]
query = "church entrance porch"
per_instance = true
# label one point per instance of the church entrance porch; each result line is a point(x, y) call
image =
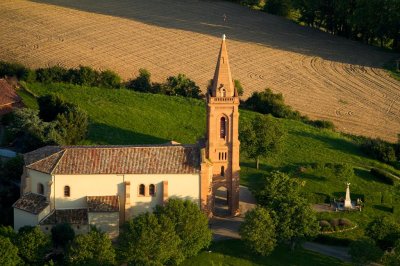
point(221, 203)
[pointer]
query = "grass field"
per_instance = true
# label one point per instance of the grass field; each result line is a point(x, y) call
point(322, 76)
point(128, 117)
point(233, 252)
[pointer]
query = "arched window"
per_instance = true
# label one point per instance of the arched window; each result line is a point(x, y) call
point(141, 189)
point(223, 128)
point(152, 190)
point(40, 188)
point(223, 93)
point(222, 171)
point(67, 191)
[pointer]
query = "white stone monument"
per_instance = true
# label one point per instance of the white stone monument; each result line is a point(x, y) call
point(347, 201)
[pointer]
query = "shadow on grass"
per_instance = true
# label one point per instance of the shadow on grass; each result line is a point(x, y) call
point(383, 208)
point(107, 135)
point(333, 143)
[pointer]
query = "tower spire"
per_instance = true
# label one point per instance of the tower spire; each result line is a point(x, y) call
point(222, 85)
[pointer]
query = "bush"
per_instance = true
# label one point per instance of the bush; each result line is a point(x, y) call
point(325, 226)
point(32, 245)
point(328, 239)
point(334, 222)
point(109, 79)
point(51, 105)
point(16, 70)
point(384, 230)
point(8, 253)
point(141, 83)
point(267, 102)
point(52, 74)
point(364, 251)
point(345, 223)
point(258, 231)
point(379, 150)
point(62, 234)
point(70, 127)
point(183, 86)
point(383, 176)
point(321, 124)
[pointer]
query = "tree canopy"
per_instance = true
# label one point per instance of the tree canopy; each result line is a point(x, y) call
point(149, 239)
point(261, 137)
point(258, 231)
point(93, 248)
point(191, 224)
point(8, 252)
point(32, 244)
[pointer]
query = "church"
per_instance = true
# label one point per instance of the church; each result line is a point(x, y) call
point(105, 186)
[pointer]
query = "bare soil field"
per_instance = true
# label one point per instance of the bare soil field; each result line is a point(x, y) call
point(322, 76)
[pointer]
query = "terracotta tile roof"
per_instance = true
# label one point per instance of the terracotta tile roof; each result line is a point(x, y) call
point(102, 203)
point(31, 202)
point(71, 216)
point(151, 159)
point(8, 95)
point(41, 153)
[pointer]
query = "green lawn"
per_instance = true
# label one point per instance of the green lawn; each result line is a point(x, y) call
point(233, 252)
point(127, 117)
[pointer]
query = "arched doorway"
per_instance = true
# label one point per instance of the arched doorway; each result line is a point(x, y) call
point(221, 205)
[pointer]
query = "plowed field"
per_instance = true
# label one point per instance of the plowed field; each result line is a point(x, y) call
point(322, 76)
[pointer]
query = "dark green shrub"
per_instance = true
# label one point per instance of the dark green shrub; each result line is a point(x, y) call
point(183, 86)
point(345, 223)
point(278, 7)
point(51, 74)
point(325, 226)
point(322, 124)
point(379, 150)
point(267, 102)
point(16, 70)
point(51, 105)
point(62, 234)
point(363, 251)
point(109, 79)
point(142, 82)
point(332, 240)
point(383, 176)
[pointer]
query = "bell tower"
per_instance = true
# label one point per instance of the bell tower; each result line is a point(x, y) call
point(222, 146)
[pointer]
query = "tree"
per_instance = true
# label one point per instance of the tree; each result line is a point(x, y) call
point(141, 83)
point(258, 231)
point(51, 105)
point(278, 7)
point(93, 248)
point(109, 79)
point(191, 225)
point(32, 244)
point(364, 250)
point(260, 138)
point(150, 239)
point(385, 231)
point(238, 87)
point(8, 253)
point(62, 234)
point(71, 126)
point(182, 85)
point(294, 218)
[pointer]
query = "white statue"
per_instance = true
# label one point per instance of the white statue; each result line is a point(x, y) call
point(347, 201)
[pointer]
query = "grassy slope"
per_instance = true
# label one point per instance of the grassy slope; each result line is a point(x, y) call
point(127, 117)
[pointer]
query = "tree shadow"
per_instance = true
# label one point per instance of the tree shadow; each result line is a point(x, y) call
point(108, 135)
point(383, 208)
point(242, 24)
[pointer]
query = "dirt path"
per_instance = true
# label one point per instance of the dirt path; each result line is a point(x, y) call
point(323, 76)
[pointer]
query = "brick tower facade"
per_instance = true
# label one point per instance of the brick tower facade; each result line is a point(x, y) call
point(222, 147)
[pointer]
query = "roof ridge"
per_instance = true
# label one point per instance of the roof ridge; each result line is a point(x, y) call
point(58, 161)
point(44, 157)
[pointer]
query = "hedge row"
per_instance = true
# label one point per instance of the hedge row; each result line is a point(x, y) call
point(383, 176)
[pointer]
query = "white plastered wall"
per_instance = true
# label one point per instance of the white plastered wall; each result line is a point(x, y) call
point(23, 218)
point(85, 185)
point(39, 177)
point(185, 186)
